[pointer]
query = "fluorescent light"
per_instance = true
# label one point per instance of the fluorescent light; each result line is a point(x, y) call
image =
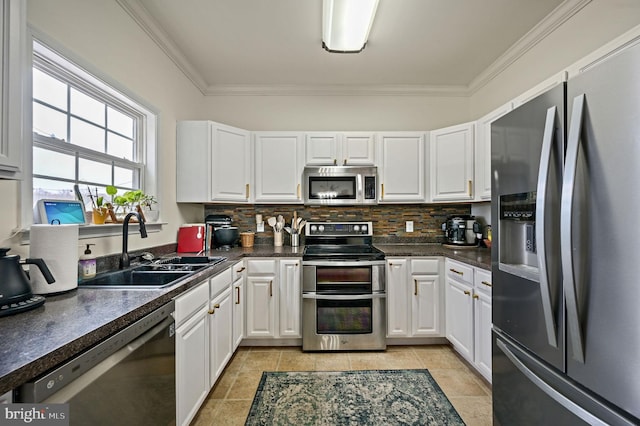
point(346, 24)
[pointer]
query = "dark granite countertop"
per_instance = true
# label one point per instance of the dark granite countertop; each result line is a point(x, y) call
point(34, 342)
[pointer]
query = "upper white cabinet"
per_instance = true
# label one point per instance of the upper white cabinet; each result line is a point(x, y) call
point(483, 152)
point(451, 163)
point(279, 160)
point(342, 149)
point(213, 163)
point(13, 90)
point(401, 167)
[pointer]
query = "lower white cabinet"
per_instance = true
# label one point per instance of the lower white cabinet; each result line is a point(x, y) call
point(273, 306)
point(468, 306)
point(220, 334)
point(414, 283)
point(192, 352)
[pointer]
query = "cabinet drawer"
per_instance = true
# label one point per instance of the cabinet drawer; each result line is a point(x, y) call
point(188, 303)
point(266, 266)
point(483, 281)
point(220, 282)
point(460, 271)
point(237, 270)
point(425, 266)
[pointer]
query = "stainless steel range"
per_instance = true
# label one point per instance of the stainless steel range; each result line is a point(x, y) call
point(343, 288)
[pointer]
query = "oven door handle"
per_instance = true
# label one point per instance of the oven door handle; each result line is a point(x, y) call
point(343, 296)
point(343, 262)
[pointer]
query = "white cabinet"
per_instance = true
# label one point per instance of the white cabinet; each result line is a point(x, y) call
point(468, 305)
point(213, 163)
point(220, 333)
point(13, 90)
point(289, 298)
point(192, 352)
point(279, 160)
point(401, 167)
point(483, 152)
point(274, 298)
point(238, 303)
point(451, 163)
point(414, 297)
point(343, 149)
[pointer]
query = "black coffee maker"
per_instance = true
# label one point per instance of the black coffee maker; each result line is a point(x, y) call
point(461, 231)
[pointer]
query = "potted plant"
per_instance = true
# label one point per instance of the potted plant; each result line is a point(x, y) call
point(100, 209)
point(135, 200)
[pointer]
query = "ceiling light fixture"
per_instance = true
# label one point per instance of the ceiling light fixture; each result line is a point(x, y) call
point(346, 24)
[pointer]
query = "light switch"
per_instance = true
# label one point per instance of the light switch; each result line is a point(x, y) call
point(260, 226)
point(409, 226)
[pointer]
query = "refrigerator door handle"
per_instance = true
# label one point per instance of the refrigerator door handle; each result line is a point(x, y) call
point(547, 389)
point(566, 226)
point(543, 181)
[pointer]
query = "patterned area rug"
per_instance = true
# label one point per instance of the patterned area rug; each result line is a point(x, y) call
point(375, 397)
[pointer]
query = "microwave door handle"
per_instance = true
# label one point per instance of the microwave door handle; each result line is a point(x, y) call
point(566, 222)
point(543, 183)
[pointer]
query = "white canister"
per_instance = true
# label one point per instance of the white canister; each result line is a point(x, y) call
point(277, 239)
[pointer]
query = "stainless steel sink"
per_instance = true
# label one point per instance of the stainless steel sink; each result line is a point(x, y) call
point(160, 274)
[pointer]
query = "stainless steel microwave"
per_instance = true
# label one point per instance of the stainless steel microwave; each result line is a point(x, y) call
point(340, 185)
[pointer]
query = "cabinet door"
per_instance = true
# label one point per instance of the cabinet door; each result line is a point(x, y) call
point(238, 312)
point(425, 298)
point(230, 164)
point(260, 307)
point(290, 299)
point(12, 87)
point(321, 148)
point(459, 323)
point(398, 313)
point(220, 334)
point(451, 163)
point(483, 152)
point(192, 366)
point(193, 161)
point(402, 175)
point(278, 167)
point(358, 149)
point(482, 341)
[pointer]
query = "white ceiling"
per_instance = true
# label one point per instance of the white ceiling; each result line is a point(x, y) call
point(268, 46)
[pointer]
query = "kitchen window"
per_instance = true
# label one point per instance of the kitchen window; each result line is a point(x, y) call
point(86, 132)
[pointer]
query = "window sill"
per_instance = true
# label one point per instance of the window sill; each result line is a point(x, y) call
point(99, 231)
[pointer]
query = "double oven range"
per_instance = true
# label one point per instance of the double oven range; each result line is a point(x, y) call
point(343, 288)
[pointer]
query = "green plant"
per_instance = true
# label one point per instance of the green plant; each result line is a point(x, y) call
point(131, 199)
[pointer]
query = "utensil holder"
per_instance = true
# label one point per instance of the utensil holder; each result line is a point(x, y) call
point(295, 240)
point(277, 239)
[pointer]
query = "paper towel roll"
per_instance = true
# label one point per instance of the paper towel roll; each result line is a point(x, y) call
point(57, 245)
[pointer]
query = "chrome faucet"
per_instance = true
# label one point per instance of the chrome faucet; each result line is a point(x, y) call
point(124, 257)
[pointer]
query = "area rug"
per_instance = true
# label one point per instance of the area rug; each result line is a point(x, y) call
point(371, 397)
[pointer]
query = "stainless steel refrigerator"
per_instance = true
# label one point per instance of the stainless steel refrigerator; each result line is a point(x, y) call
point(566, 257)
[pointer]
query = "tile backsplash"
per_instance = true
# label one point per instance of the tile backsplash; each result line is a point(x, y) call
point(388, 219)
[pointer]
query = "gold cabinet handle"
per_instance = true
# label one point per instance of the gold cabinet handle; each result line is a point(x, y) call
point(238, 294)
point(467, 292)
point(382, 190)
point(415, 287)
point(247, 190)
point(456, 272)
point(470, 188)
point(213, 311)
point(475, 296)
point(344, 163)
point(298, 191)
point(271, 288)
point(487, 284)
point(240, 270)
point(335, 161)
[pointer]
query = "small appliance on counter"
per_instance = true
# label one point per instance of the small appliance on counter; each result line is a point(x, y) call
point(220, 233)
point(191, 238)
point(461, 231)
point(15, 288)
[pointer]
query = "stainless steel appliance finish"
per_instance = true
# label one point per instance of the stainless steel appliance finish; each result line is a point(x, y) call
point(127, 379)
point(344, 294)
point(564, 316)
point(340, 185)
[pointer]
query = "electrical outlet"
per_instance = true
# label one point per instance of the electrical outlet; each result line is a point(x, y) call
point(409, 226)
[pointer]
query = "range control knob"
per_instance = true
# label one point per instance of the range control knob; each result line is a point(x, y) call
point(314, 228)
point(364, 229)
point(356, 228)
point(321, 228)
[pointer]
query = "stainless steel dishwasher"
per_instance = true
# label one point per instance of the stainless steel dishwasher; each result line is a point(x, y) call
point(129, 378)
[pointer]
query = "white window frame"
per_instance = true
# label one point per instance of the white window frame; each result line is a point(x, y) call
point(147, 152)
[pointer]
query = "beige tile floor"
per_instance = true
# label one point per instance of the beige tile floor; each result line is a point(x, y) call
point(230, 399)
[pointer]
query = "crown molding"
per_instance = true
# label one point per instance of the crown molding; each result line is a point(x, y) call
point(550, 23)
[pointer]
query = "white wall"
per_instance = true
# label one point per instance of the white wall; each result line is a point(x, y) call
point(597, 23)
point(103, 36)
